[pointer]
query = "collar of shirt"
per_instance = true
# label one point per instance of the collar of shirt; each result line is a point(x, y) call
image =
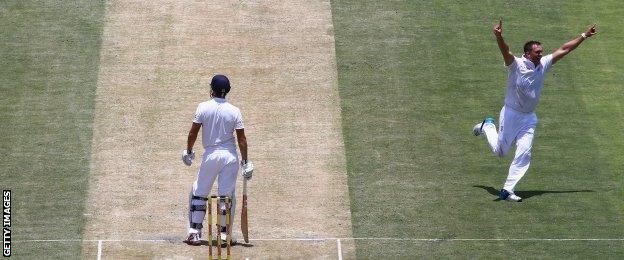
point(219, 100)
point(530, 64)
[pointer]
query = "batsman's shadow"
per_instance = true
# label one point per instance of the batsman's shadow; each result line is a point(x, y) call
point(214, 243)
point(528, 193)
point(243, 244)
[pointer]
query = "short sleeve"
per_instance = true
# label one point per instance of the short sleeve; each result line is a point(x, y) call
point(513, 63)
point(239, 121)
point(547, 62)
point(198, 115)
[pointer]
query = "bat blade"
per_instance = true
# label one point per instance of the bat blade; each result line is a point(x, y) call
point(244, 223)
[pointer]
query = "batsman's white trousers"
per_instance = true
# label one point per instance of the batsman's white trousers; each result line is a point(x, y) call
point(515, 127)
point(224, 164)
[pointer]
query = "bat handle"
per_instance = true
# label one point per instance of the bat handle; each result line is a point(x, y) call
point(244, 186)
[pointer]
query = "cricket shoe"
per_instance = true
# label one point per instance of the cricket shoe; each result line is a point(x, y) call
point(509, 196)
point(224, 236)
point(193, 239)
point(477, 130)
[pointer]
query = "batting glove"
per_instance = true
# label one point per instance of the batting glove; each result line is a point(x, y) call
point(247, 169)
point(187, 158)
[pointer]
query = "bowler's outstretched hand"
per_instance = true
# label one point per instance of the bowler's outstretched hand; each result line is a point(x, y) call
point(498, 28)
point(591, 31)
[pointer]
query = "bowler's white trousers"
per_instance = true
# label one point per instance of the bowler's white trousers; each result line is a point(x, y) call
point(515, 127)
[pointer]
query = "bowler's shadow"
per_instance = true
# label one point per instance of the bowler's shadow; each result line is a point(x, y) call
point(528, 193)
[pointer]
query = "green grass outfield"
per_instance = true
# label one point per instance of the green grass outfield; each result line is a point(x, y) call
point(415, 76)
point(49, 57)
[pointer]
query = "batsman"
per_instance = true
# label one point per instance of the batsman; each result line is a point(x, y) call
point(525, 80)
point(218, 120)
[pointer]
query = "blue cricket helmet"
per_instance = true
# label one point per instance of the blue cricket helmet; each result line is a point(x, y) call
point(220, 85)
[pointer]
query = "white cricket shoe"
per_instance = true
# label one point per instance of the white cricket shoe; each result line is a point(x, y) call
point(193, 239)
point(477, 130)
point(509, 196)
point(224, 236)
point(514, 198)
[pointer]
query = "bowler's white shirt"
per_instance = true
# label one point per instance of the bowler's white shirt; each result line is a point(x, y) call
point(525, 82)
point(219, 120)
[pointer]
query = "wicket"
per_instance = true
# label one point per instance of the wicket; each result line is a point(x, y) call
point(227, 205)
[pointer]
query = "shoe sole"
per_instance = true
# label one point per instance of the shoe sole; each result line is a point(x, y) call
point(480, 129)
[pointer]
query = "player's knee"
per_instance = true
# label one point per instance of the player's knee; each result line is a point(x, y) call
point(523, 158)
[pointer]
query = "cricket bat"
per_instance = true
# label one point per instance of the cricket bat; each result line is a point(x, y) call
point(244, 223)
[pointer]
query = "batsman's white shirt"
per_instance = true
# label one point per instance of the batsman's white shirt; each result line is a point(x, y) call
point(219, 120)
point(525, 82)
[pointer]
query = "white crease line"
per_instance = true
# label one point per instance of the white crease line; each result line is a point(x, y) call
point(93, 240)
point(99, 256)
point(339, 245)
point(488, 239)
point(337, 238)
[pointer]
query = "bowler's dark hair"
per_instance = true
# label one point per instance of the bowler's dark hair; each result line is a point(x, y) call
point(529, 45)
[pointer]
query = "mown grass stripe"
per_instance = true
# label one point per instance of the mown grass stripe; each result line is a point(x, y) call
point(49, 58)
